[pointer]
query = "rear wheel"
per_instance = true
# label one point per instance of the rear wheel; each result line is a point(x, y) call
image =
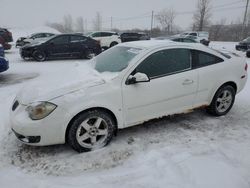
point(113, 44)
point(89, 54)
point(91, 130)
point(222, 101)
point(39, 55)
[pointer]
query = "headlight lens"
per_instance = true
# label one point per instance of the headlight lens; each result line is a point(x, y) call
point(40, 110)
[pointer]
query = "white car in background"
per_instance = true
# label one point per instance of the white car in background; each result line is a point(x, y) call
point(199, 36)
point(128, 84)
point(107, 39)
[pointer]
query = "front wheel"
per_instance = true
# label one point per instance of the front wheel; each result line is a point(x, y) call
point(91, 130)
point(39, 55)
point(223, 101)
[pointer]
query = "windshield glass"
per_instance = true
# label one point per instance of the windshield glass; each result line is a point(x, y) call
point(115, 59)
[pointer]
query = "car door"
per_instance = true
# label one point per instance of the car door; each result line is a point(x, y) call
point(77, 44)
point(210, 70)
point(106, 39)
point(171, 89)
point(59, 46)
point(97, 36)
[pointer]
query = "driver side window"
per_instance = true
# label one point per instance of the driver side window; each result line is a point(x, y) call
point(165, 62)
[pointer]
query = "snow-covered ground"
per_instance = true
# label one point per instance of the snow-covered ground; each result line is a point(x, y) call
point(186, 151)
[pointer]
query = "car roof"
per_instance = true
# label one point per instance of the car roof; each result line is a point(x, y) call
point(152, 44)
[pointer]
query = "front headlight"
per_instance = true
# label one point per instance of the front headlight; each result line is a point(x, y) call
point(40, 110)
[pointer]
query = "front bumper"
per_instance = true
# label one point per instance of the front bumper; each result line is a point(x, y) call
point(49, 131)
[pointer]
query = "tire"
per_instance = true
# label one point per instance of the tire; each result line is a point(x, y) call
point(113, 44)
point(223, 101)
point(91, 130)
point(89, 54)
point(39, 55)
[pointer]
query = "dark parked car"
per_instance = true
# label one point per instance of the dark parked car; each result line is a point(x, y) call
point(29, 39)
point(1, 51)
point(243, 45)
point(5, 45)
point(62, 46)
point(129, 36)
point(7, 35)
point(4, 64)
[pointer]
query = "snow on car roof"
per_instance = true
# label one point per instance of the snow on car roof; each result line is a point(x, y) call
point(158, 44)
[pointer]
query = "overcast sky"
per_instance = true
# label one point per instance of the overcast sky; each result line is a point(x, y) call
point(126, 14)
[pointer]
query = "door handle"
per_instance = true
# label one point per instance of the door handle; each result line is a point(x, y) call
point(187, 82)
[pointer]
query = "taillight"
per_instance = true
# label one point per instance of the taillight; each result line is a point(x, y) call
point(246, 66)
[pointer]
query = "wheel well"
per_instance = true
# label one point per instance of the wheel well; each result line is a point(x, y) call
point(96, 108)
point(233, 84)
point(114, 42)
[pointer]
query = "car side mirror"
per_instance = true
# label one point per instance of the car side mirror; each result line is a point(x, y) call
point(138, 78)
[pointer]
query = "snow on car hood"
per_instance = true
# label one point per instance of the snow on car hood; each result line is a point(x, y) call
point(48, 87)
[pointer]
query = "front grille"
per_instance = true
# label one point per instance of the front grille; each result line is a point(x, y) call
point(15, 105)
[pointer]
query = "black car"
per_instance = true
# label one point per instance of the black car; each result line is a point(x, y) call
point(129, 36)
point(62, 46)
point(243, 45)
point(29, 39)
point(6, 35)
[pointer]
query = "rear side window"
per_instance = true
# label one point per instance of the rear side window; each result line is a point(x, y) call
point(77, 38)
point(202, 59)
point(60, 40)
point(165, 62)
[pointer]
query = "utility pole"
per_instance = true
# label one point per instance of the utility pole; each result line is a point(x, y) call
point(152, 22)
point(245, 19)
point(111, 23)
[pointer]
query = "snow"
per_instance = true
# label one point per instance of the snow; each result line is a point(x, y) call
point(186, 151)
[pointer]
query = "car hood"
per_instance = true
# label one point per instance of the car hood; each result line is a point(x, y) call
point(58, 84)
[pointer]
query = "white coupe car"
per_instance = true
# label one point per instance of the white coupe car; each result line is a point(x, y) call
point(128, 84)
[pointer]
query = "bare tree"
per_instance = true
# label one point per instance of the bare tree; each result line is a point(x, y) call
point(202, 15)
point(97, 22)
point(68, 23)
point(166, 19)
point(216, 30)
point(79, 25)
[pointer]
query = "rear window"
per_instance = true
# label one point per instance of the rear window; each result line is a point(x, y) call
point(202, 59)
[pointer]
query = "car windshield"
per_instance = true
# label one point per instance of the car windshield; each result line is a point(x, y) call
point(115, 59)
